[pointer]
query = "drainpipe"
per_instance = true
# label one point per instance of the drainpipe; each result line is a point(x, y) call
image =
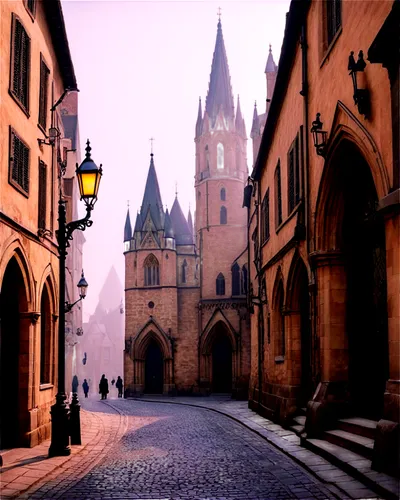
point(260, 315)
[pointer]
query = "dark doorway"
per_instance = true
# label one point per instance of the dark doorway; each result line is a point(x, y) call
point(305, 332)
point(11, 300)
point(365, 260)
point(154, 369)
point(222, 363)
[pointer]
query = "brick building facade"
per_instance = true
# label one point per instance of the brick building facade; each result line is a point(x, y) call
point(187, 327)
point(324, 233)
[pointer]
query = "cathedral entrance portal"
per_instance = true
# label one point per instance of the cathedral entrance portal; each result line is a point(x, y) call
point(221, 362)
point(154, 368)
point(12, 302)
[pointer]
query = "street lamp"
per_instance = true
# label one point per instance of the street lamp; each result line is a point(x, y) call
point(88, 175)
point(82, 285)
point(319, 136)
point(360, 92)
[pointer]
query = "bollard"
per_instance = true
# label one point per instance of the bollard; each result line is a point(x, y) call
point(75, 420)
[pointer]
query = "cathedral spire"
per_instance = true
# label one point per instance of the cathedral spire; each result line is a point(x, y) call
point(190, 221)
point(152, 198)
point(199, 122)
point(168, 230)
point(270, 67)
point(239, 122)
point(220, 90)
point(255, 129)
point(183, 234)
point(128, 228)
point(138, 223)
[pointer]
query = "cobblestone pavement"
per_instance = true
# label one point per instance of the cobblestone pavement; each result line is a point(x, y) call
point(173, 451)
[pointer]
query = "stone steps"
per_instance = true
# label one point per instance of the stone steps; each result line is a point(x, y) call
point(359, 444)
point(357, 425)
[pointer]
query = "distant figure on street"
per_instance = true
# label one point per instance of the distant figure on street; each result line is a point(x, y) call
point(119, 385)
point(103, 387)
point(113, 381)
point(85, 387)
point(75, 384)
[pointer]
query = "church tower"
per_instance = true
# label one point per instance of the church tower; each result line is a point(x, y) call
point(221, 234)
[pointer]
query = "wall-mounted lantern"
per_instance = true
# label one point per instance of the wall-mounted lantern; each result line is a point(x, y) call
point(360, 91)
point(319, 136)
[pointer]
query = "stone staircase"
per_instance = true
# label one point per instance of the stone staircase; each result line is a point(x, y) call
point(350, 446)
point(299, 421)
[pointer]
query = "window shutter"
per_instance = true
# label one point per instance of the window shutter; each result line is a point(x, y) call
point(296, 171)
point(267, 215)
point(19, 163)
point(25, 53)
point(17, 57)
point(291, 188)
point(44, 79)
point(278, 196)
point(25, 168)
point(42, 194)
point(21, 63)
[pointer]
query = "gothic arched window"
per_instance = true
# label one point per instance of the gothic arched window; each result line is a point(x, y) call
point(220, 284)
point(151, 271)
point(184, 266)
point(280, 323)
point(243, 283)
point(235, 279)
point(223, 215)
point(220, 156)
point(223, 194)
point(207, 158)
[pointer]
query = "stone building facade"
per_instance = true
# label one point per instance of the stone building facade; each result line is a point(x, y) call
point(324, 232)
point(36, 71)
point(187, 328)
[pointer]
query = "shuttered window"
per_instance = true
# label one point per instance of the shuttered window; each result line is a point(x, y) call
point(19, 163)
point(293, 175)
point(333, 18)
point(44, 83)
point(20, 64)
point(42, 194)
point(278, 196)
point(265, 218)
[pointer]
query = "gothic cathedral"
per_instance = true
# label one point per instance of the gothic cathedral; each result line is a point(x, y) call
point(187, 325)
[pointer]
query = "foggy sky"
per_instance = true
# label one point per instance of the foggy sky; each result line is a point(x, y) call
point(141, 67)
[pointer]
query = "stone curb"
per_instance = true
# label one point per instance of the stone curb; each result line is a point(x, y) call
point(313, 463)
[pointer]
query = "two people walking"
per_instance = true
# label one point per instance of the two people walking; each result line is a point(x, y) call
point(103, 386)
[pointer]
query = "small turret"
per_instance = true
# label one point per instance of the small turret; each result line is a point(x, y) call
point(128, 228)
point(199, 122)
point(168, 229)
point(239, 121)
point(255, 129)
point(271, 70)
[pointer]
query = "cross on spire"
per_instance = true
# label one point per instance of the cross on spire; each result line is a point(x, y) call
point(151, 142)
point(176, 189)
point(219, 13)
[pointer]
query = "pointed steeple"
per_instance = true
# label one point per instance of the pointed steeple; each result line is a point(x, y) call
point(183, 235)
point(255, 129)
point(128, 228)
point(270, 67)
point(152, 198)
point(220, 91)
point(168, 230)
point(138, 223)
point(239, 122)
point(199, 123)
point(190, 221)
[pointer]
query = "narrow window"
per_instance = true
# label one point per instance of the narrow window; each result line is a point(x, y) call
point(265, 218)
point(184, 266)
point(207, 158)
point(235, 279)
point(333, 18)
point(278, 196)
point(44, 83)
point(220, 156)
point(45, 338)
point(293, 175)
point(20, 64)
point(42, 194)
point(223, 215)
point(223, 194)
point(280, 323)
point(31, 6)
point(220, 284)
point(151, 271)
point(243, 283)
point(19, 163)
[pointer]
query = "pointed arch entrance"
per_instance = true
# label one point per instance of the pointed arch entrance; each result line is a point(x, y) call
point(14, 360)
point(221, 361)
point(154, 368)
point(351, 270)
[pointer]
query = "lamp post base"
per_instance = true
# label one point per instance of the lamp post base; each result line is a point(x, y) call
point(59, 446)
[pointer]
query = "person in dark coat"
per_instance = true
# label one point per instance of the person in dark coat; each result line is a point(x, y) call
point(119, 385)
point(75, 384)
point(85, 387)
point(103, 387)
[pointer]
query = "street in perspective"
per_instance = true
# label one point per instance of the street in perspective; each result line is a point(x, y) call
point(200, 250)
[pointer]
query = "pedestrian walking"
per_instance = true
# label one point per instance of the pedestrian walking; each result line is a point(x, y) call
point(85, 387)
point(103, 387)
point(119, 385)
point(75, 384)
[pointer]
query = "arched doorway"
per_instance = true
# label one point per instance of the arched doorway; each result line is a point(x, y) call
point(221, 361)
point(12, 303)
point(354, 228)
point(154, 369)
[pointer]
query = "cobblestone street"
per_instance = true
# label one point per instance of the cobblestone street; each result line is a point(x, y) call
point(173, 451)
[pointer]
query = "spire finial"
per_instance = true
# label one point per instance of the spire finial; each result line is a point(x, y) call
point(255, 104)
point(151, 142)
point(128, 203)
point(88, 149)
point(270, 48)
point(219, 14)
point(176, 189)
